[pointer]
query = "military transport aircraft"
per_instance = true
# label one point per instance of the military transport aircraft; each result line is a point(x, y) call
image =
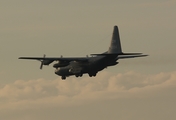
point(78, 66)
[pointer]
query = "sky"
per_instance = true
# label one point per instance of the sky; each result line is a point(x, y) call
point(140, 88)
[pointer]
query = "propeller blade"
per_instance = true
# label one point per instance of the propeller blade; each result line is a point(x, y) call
point(41, 66)
point(42, 61)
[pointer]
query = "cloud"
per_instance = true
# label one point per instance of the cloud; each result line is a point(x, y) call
point(43, 93)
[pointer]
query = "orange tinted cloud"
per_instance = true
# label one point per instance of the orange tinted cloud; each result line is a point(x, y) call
point(44, 93)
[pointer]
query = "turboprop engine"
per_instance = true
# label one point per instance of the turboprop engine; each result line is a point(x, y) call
point(45, 62)
point(60, 64)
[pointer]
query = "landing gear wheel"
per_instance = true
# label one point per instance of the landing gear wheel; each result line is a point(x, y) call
point(92, 74)
point(79, 75)
point(63, 77)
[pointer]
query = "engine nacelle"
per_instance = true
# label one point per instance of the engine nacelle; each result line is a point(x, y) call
point(47, 62)
point(60, 64)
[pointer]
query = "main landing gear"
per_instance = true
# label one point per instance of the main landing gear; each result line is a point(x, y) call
point(92, 74)
point(63, 77)
point(79, 75)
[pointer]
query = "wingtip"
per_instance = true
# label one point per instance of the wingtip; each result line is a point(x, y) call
point(145, 55)
point(22, 58)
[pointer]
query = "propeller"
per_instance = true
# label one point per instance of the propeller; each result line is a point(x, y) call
point(42, 61)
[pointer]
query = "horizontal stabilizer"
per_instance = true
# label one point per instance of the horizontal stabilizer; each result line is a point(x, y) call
point(129, 53)
point(106, 54)
point(134, 56)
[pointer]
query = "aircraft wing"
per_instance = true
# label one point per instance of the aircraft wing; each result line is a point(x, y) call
point(66, 59)
point(134, 56)
point(47, 60)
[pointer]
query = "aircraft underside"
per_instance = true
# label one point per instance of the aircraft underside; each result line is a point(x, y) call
point(77, 71)
point(63, 77)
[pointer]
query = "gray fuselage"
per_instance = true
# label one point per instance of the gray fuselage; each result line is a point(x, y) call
point(92, 66)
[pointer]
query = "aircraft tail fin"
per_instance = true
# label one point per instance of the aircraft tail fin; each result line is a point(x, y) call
point(115, 45)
